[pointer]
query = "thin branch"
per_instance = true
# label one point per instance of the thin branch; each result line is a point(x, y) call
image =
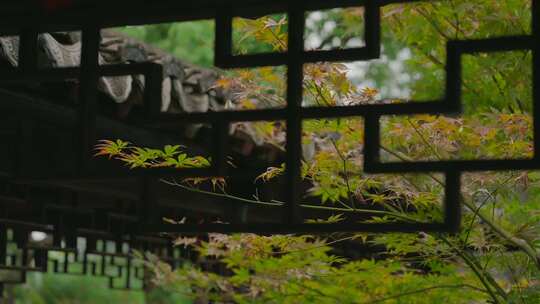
point(276, 203)
point(345, 174)
point(479, 273)
point(222, 195)
point(413, 292)
point(405, 158)
point(520, 243)
point(481, 205)
point(424, 139)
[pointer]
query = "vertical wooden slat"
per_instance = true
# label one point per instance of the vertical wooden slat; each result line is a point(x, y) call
point(452, 208)
point(295, 76)
point(88, 94)
point(28, 50)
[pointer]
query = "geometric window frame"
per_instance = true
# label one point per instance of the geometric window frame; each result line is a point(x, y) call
point(294, 58)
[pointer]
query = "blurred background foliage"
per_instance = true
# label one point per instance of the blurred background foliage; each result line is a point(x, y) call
point(51, 288)
point(189, 41)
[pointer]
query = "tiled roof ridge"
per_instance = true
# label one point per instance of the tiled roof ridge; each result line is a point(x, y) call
point(186, 87)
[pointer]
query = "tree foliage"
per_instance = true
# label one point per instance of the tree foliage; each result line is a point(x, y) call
point(190, 41)
point(496, 256)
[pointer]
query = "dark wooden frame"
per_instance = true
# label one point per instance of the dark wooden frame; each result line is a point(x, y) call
point(294, 59)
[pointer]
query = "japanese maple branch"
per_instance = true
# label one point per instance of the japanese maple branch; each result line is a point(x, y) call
point(480, 274)
point(279, 203)
point(346, 173)
point(522, 244)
